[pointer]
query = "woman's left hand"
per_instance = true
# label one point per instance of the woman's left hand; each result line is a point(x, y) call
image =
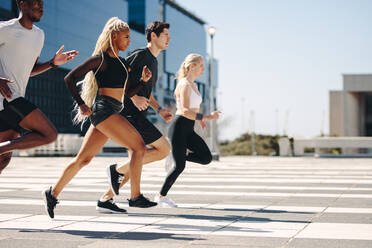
point(215, 115)
point(202, 124)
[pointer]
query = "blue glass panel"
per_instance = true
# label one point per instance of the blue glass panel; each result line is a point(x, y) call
point(6, 4)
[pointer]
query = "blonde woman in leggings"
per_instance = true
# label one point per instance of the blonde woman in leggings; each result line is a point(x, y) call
point(182, 134)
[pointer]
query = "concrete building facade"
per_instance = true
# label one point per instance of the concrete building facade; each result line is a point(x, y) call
point(351, 108)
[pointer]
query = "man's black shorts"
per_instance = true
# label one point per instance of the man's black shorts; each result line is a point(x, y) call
point(14, 112)
point(146, 129)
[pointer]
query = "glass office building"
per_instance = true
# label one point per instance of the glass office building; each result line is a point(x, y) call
point(77, 24)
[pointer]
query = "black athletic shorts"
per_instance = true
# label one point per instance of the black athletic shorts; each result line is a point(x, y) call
point(14, 112)
point(103, 107)
point(146, 129)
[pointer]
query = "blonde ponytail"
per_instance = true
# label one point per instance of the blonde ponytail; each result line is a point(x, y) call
point(190, 59)
point(89, 84)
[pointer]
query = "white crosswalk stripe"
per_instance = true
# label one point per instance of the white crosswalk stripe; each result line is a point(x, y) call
point(274, 191)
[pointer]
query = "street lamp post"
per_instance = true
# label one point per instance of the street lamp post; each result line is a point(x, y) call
point(211, 32)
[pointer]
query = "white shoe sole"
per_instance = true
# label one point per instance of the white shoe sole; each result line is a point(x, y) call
point(108, 211)
point(164, 205)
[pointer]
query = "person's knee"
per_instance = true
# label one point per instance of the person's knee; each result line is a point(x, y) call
point(5, 160)
point(50, 135)
point(83, 160)
point(139, 149)
point(179, 168)
point(164, 150)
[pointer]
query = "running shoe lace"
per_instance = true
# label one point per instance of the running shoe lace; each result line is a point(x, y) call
point(54, 202)
point(145, 198)
point(120, 179)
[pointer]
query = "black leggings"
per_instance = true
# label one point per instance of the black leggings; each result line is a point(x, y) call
point(183, 137)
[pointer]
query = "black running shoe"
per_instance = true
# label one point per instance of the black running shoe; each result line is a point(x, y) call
point(109, 206)
point(50, 201)
point(114, 178)
point(141, 202)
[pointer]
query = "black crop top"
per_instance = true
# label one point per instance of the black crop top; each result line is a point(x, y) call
point(111, 74)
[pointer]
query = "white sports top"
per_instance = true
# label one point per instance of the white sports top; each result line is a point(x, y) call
point(195, 98)
point(19, 49)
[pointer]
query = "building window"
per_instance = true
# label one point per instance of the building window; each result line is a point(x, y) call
point(201, 88)
point(168, 82)
point(8, 10)
point(171, 82)
point(49, 93)
point(368, 115)
point(169, 102)
point(136, 15)
point(6, 4)
point(174, 84)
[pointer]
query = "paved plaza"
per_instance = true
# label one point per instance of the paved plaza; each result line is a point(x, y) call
point(236, 202)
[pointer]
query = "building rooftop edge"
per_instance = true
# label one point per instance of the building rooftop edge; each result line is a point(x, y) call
point(357, 74)
point(184, 11)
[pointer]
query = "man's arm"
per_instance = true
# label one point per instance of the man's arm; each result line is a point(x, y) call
point(58, 59)
point(166, 114)
point(40, 68)
point(4, 87)
point(153, 103)
point(134, 83)
point(146, 75)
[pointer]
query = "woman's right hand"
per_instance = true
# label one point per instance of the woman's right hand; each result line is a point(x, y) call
point(4, 87)
point(85, 110)
point(215, 115)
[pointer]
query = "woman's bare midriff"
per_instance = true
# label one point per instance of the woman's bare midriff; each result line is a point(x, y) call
point(116, 93)
point(193, 109)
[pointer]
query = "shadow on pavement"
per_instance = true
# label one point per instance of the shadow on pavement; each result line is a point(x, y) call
point(117, 235)
point(217, 218)
point(265, 211)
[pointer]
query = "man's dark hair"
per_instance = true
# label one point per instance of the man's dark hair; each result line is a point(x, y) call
point(19, 3)
point(156, 27)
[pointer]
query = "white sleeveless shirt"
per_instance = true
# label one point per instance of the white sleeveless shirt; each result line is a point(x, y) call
point(195, 98)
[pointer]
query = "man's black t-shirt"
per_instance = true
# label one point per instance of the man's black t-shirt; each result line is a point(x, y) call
point(137, 60)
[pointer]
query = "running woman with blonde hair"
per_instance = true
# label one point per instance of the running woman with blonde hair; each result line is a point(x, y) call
point(182, 134)
point(106, 74)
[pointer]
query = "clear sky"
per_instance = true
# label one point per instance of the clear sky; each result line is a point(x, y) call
point(280, 59)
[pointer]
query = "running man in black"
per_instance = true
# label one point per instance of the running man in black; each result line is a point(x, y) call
point(106, 74)
point(20, 45)
point(135, 107)
point(182, 134)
